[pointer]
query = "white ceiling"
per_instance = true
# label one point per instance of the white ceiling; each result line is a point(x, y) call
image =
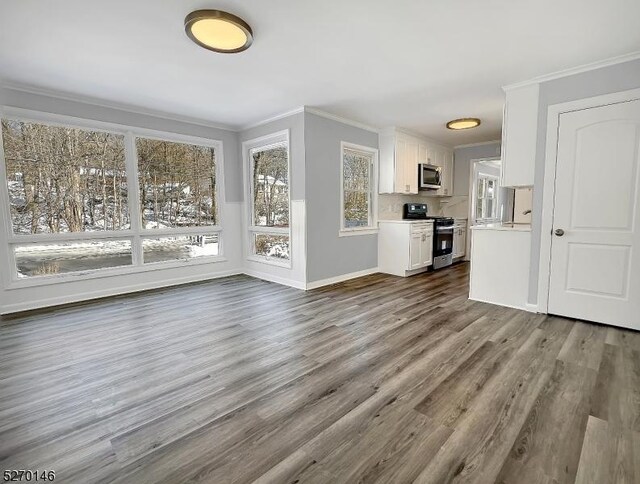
point(409, 63)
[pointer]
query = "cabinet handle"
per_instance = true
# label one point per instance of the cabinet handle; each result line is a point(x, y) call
point(407, 188)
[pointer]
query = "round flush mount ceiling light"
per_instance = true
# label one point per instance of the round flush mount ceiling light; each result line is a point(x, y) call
point(218, 31)
point(463, 123)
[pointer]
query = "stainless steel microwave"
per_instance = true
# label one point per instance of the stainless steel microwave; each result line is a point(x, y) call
point(429, 177)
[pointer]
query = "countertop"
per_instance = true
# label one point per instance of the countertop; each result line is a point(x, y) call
point(503, 226)
point(400, 221)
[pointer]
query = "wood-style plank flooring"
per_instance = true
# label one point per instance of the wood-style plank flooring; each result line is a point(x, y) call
point(379, 379)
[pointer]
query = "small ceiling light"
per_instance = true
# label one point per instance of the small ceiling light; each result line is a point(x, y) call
point(463, 123)
point(218, 31)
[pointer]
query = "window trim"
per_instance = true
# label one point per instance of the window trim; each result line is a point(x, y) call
point(496, 197)
point(372, 228)
point(136, 233)
point(251, 229)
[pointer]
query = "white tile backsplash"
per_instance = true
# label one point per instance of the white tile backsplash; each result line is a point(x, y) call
point(390, 205)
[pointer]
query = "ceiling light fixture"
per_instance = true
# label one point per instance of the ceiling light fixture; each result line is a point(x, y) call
point(463, 123)
point(218, 31)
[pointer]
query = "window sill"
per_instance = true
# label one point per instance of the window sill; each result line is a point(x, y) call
point(112, 272)
point(352, 232)
point(286, 264)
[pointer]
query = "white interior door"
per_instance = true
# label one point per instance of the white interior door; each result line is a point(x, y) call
point(595, 252)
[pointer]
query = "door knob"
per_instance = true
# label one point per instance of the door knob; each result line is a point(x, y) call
point(559, 232)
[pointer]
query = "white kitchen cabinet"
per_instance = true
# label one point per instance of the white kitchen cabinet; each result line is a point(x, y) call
point(519, 135)
point(405, 247)
point(400, 155)
point(447, 173)
point(459, 238)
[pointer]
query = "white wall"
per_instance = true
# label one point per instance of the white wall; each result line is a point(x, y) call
point(13, 298)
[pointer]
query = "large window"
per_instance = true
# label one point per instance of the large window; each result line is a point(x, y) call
point(74, 209)
point(358, 193)
point(269, 232)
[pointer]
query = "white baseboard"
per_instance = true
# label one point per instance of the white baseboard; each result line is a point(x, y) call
point(522, 308)
point(532, 308)
point(341, 278)
point(132, 288)
point(278, 280)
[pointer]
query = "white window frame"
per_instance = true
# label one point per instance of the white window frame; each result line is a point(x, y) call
point(372, 227)
point(252, 230)
point(136, 233)
point(496, 197)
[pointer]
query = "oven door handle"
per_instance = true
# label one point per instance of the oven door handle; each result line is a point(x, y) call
point(445, 228)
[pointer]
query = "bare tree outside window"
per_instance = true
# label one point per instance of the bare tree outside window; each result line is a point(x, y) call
point(270, 200)
point(270, 186)
point(177, 184)
point(356, 188)
point(64, 179)
point(67, 180)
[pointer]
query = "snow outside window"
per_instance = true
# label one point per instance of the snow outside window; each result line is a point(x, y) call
point(269, 224)
point(75, 206)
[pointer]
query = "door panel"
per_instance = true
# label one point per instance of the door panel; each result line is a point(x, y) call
point(598, 269)
point(595, 269)
point(607, 154)
point(414, 251)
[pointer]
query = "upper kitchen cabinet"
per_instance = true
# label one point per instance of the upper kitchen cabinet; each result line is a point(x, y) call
point(519, 135)
point(445, 161)
point(400, 155)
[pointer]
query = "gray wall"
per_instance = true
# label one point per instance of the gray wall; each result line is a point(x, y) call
point(620, 77)
point(329, 255)
point(295, 125)
point(462, 164)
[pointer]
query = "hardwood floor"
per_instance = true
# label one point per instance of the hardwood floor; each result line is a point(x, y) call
point(379, 379)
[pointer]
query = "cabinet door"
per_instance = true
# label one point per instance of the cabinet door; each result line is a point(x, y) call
point(411, 167)
point(456, 242)
point(423, 153)
point(415, 246)
point(427, 249)
point(447, 177)
point(400, 165)
point(519, 135)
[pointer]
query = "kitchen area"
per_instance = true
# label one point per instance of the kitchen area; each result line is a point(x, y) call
point(440, 205)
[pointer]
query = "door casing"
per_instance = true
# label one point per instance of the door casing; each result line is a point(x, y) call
point(549, 188)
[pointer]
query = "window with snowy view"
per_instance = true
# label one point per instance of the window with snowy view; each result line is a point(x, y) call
point(72, 209)
point(270, 204)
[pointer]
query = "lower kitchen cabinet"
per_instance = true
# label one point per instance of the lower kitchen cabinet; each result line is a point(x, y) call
point(405, 247)
point(459, 238)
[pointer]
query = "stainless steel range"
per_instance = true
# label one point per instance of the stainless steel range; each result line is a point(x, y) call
point(442, 232)
point(442, 241)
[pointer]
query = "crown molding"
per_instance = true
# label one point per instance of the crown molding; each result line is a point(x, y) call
point(392, 130)
point(317, 112)
point(575, 70)
point(481, 143)
point(65, 96)
point(340, 119)
point(276, 117)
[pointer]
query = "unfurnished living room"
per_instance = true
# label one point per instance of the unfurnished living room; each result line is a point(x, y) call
point(320, 241)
